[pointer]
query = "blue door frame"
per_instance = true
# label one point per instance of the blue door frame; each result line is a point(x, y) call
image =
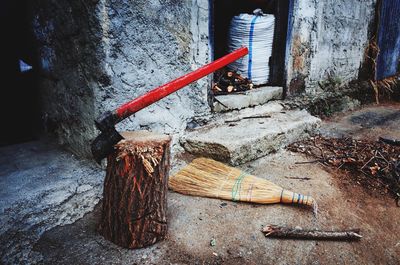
point(388, 59)
point(289, 36)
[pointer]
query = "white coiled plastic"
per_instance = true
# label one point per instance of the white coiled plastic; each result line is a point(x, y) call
point(256, 32)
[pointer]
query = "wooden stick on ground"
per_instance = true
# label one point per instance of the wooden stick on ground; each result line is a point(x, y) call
point(298, 233)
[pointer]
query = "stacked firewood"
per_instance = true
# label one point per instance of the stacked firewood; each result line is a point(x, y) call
point(372, 164)
point(230, 82)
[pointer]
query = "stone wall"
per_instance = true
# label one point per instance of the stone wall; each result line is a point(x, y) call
point(97, 55)
point(328, 41)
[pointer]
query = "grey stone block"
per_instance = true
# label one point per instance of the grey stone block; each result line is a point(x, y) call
point(249, 139)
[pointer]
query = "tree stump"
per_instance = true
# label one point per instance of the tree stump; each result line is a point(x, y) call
point(135, 189)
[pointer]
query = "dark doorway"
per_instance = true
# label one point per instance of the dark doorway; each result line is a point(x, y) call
point(19, 100)
point(224, 10)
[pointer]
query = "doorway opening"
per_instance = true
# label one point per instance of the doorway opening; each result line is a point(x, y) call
point(19, 100)
point(222, 12)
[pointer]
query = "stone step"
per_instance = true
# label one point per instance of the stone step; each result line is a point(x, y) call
point(247, 99)
point(242, 140)
point(260, 110)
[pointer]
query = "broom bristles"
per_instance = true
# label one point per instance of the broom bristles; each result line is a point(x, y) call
point(208, 178)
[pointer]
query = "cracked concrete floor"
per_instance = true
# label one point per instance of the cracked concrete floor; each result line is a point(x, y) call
point(50, 206)
point(41, 187)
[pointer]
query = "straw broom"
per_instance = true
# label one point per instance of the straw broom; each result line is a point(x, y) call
point(208, 178)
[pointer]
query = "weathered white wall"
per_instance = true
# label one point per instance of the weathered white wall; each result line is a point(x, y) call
point(149, 43)
point(328, 38)
point(97, 55)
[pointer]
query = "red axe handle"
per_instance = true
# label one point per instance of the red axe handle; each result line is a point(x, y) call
point(109, 119)
point(162, 91)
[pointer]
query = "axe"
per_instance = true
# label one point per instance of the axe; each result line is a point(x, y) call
point(103, 144)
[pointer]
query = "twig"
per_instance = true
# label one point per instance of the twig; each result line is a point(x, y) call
point(298, 233)
point(249, 117)
point(320, 149)
point(304, 178)
point(387, 162)
point(257, 117)
point(368, 161)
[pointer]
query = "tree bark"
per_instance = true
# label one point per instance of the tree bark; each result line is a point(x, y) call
point(135, 189)
point(298, 233)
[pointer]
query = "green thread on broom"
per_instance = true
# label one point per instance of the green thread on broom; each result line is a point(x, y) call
point(237, 186)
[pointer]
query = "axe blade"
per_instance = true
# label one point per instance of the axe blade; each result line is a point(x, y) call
point(103, 144)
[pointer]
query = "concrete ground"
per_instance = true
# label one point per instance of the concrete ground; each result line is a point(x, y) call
point(50, 206)
point(370, 122)
point(41, 187)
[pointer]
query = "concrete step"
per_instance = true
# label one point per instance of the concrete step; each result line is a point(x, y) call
point(268, 108)
point(247, 99)
point(244, 139)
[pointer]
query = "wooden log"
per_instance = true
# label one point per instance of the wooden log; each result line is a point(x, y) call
point(298, 233)
point(135, 189)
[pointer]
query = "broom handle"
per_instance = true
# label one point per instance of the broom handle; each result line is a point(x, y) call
point(288, 196)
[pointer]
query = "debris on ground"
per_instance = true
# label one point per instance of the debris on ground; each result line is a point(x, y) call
point(374, 165)
point(230, 82)
point(313, 234)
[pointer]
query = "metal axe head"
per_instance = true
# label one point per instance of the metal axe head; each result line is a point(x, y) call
point(103, 144)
